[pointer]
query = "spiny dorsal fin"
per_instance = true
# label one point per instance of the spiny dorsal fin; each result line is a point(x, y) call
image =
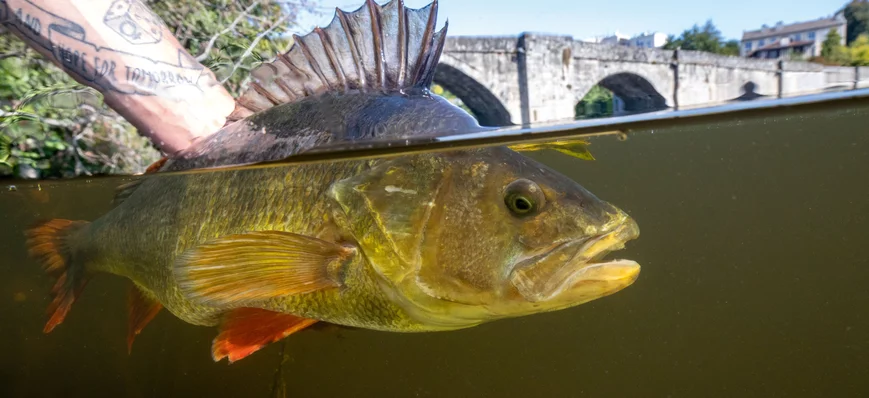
point(375, 48)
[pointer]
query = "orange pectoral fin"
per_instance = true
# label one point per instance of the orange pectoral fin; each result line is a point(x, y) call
point(235, 270)
point(246, 330)
point(142, 309)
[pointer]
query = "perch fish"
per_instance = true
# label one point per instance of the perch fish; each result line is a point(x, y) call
point(415, 243)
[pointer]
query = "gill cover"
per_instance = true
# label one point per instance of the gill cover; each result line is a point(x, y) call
point(389, 207)
point(429, 226)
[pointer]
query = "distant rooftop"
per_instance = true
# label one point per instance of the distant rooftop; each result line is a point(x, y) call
point(781, 45)
point(621, 36)
point(782, 29)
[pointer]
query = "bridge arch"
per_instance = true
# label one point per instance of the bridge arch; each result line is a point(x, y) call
point(485, 106)
point(636, 93)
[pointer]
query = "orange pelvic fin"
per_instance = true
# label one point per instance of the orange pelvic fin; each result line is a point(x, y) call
point(48, 243)
point(246, 330)
point(142, 309)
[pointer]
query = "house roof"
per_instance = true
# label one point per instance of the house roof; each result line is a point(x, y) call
point(779, 30)
point(777, 45)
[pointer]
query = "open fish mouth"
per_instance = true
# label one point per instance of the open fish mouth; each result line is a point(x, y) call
point(576, 271)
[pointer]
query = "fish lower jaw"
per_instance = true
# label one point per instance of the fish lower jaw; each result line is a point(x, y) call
point(613, 270)
point(592, 281)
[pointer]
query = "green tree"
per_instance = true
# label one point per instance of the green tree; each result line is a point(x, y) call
point(859, 51)
point(598, 102)
point(857, 14)
point(831, 44)
point(703, 38)
point(50, 126)
point(832, 50)
point(731, 47)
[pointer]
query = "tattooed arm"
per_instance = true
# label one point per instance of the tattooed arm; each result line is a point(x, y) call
point(122, 49)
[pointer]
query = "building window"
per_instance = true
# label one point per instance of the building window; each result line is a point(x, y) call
point(798, 37)
point(748, 46)
point(760, 43)
point(811, 35)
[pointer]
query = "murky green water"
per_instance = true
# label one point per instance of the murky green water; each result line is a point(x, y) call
point(755, 282)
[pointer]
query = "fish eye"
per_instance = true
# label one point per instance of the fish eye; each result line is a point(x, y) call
point(523, 197)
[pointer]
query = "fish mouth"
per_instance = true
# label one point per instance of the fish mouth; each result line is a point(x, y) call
point(574, 272)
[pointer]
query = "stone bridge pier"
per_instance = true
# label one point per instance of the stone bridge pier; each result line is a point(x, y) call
point(537, 78)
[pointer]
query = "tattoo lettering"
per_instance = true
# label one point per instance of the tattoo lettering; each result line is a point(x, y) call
point(134, 22)
point(104, 68)
point(29, 22)
point(72, 59)
point(155, 78)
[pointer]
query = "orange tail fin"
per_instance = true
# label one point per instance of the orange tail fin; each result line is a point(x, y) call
point(48, 244)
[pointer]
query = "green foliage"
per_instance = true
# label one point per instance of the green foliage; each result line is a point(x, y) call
point(703, 38)
point(834, 53)
point(440, 90)
point(598, 102)
point(731, 47)
point(831, 44)
point(50, 126)
point(832, 50)
point(857, 15)
point(235, 52)
point(859, 51)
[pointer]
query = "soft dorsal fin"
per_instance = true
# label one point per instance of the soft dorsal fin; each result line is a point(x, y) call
point(375, 48)
point(123, 191)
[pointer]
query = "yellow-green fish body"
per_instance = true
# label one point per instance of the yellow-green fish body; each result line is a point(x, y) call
point(167, 216)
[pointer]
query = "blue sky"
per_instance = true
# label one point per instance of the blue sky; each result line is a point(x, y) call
point(585, 19)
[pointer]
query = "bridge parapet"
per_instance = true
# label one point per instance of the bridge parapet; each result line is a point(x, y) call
point(537, 77)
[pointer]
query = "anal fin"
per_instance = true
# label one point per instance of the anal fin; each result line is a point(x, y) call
point(246, 330)
point(142, 309)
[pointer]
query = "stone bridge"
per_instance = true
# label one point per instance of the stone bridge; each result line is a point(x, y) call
point(535, 78)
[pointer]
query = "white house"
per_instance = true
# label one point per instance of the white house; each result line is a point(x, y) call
point(647, 40)
point(803, 38)
point(616, 38)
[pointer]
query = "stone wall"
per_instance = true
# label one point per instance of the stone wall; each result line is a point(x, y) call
point(491, 61)
point(539, 77)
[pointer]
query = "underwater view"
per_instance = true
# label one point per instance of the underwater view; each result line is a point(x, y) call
point(374, 208)
point(752, 284)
